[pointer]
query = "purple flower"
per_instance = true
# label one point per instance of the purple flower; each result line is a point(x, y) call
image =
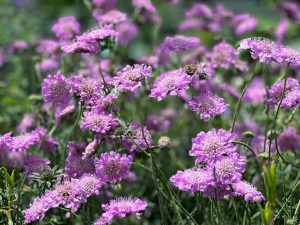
point(207, 105)
point(256, 92)
point(48, 144)
point(144, 4)
point(157, 123)
point(289, 139)
point(17, 46)
point(81, 47)
point(290, 98)
point(55, 89)
point(76, 166)
point(249, 192)
point(66, 27)
point(121, 207)
point(228, 169)
point(193, 180)
point(142, 137)
point(105, 4)
point(48, 65)
point(35, 164)
point(97, 34)
point(223, 55)
point(200, 10)
point(268, 51)
point(281, 29)
point(67, 194)
point(100, 122)
point(37, 210)
point(176, 44)
point(47, 47)
point(130, 77)
point(170, 83)
point(291, 10)
point(88, 185)
point(5, 141)
point(243, 23)
point(126, 32)
point(212, 145)
point(111, 17)
point(24, 141)
point(258, 145)
point(112, 167)
point(88, 90)
point(26, 123)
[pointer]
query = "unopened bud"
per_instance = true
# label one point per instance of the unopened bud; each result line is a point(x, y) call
point(164, 142)
point(90, 149)
point(67, 111)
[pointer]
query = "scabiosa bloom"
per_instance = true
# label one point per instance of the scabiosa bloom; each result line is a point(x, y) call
point(289, 139)
point(97, 34)
point(111, 17)
point(81, 47)
point(228, 169)
point(208, 105)
point(24, 141)
point(292, 98)
point(200, 10)
point(48, 144)
point(37, 210)
point(212, 145)
point(121, 207)
point(67, 194)
point(170, 83)
point(141, 136)
point(66, 27)
point(268, 51)
point(17, 46)
point(75, 165)
point(55, 89)
point(48, 65)
point(126, 32)
point(157, 123)
point(259, 145)
point(291, 10)
point(249, 192)
point(35, 164)
point(275, 93)
point(88, 90)
point(5, 141)
point(256, 92)
point(105, 4)
point(47, 47)
point(130, 77)
point(223, 55)
point(88, 185)
point(26, 123)
point(176, 44)
point(100, 122)
point(113, 167)
point(281, 29)
point(243, 23)
point(193, 180)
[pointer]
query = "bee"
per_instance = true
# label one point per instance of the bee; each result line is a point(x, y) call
point(196, 69)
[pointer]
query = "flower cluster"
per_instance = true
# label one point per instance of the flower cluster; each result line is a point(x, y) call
point(291, 94)
point(268, 51)
point(121, 207)
point(130, 77)
point(224, 166)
